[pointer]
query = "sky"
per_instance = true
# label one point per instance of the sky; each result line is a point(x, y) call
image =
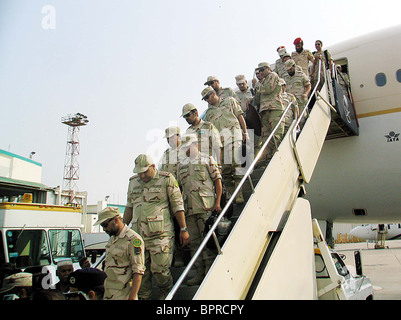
point(131, 65)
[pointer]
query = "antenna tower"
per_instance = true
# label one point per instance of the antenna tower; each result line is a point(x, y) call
point(71, 166)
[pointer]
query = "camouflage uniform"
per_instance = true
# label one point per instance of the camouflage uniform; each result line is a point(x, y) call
point(225, 117)
point(279, 68)
point(169, 161)
point(208, 138)
point(292, 112)
point(325, 65)
point(227, 92)
point(296, 85)
point(271, 109)
point(302, 59)
point(196, 177)
point(124, 257)
point(170, 158)
point(154, 203)
point(244, 97)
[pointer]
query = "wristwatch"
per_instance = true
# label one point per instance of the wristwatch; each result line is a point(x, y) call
point(184, 229)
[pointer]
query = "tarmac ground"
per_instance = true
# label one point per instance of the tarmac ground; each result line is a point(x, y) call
point(382, 266)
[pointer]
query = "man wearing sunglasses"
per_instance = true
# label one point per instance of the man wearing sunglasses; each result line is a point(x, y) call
point(124, 251)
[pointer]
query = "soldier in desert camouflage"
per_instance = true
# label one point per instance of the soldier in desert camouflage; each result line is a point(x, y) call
point(223, 93)
point(200, 180)
point(207, 134)
point(169, 160)
point(124, 251)
point(268, 96)
point(153, 198)
point(293, 112)
point(227, 115)
point(298, 84)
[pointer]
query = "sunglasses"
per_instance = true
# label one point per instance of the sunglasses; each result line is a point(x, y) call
point(106, 223)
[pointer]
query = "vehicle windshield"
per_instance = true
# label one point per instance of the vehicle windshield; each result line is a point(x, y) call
point(66, 243)
point(27, 248)
point(341, 268)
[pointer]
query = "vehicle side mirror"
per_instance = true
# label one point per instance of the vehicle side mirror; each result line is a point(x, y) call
point(358, 263)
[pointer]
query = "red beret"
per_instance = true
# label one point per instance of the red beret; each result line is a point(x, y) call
point(297, 40)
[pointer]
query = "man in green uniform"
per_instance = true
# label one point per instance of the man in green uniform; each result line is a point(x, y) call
point(200, 179)
point(153, 198)
point(124, 257)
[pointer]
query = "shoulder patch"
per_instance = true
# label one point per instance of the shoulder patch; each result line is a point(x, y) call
point(137, 243)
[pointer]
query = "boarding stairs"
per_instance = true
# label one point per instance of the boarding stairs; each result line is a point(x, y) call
point(268, 253)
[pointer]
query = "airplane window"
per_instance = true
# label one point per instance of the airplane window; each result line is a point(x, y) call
point(398, 75)
point(381, 79)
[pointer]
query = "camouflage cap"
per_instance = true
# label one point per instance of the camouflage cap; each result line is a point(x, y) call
point(206, 91)
point(172, 131)
point(188, 139)
point(289, 64)
point(21, 279)
point(240, 79)
point(106, 214)
point(187, 108)
point(210, 79)
point(142, 163)
point(263, 65)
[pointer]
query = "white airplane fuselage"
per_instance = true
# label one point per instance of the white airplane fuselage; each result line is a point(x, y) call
point(358, 179)
point(370, 231)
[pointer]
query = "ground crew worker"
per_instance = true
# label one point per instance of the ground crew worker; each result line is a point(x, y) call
point(223, 93)
point(169, 159)
point(200, 179)
point(298, 84)
point(208, 136)
point(302, 56)
point(227, 116)
point(271, 109)
point(125, 260)
point(153, 198)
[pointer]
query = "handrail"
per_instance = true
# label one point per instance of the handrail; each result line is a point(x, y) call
point(223, 212)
